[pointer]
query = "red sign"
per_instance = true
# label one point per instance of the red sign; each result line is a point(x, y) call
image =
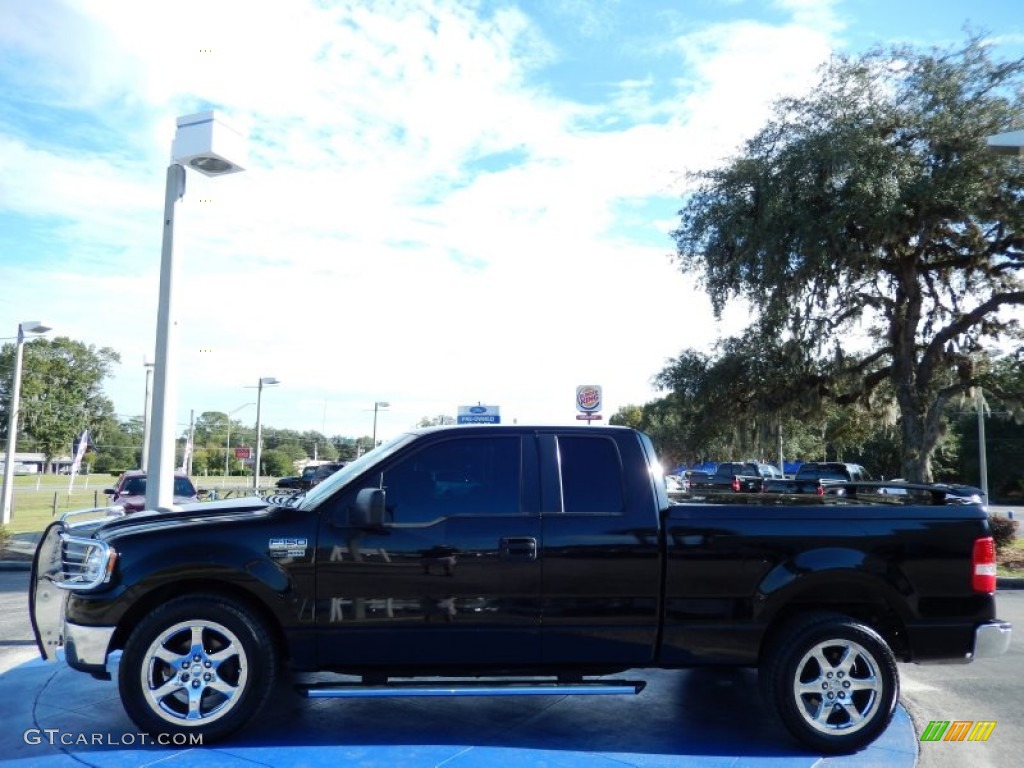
point(243, 453)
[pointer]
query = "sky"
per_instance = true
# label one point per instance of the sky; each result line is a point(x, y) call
point(444, 202)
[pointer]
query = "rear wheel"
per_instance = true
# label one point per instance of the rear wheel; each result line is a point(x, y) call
point(833, 682)
point(198, 664)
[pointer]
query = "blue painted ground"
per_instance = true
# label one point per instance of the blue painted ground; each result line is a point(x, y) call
point(52, 716)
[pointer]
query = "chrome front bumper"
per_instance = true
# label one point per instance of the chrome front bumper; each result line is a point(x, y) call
point(992, 639)
point(85, 648)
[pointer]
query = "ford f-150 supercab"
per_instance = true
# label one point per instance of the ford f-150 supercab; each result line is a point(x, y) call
point(515, 560)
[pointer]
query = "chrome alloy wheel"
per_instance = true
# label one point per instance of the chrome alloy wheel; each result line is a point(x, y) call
point(194, 673)
point(837, 686)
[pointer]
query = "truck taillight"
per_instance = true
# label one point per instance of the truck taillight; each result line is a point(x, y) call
point(820, 490)
point(735, 484)
point(984, 565)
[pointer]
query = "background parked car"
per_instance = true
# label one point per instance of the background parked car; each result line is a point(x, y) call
point(314, 474)
point(130, 490)
point(298, 481)
point(675, 486)
point(324, 471)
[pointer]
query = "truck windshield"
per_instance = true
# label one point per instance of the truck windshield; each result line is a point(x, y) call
point(325, 489)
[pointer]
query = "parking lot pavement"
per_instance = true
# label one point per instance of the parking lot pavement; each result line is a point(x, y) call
point(54, 716)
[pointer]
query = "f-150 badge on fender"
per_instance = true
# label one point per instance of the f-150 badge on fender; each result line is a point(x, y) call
point(288, 547)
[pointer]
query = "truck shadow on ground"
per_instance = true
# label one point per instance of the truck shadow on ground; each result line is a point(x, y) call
point(691, 713)
point(712, 717)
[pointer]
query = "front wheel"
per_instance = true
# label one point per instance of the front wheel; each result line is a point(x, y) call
point(833, 682)
point(199, 664)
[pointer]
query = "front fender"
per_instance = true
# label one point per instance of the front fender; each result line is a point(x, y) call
point(143, 581)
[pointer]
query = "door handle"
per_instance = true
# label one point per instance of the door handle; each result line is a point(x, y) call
point(518, 548)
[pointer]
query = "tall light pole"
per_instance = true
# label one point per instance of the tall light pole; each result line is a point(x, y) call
point(227, 450)
point(264, 382)
point(377, 405)
point(205, 143)
point(1009, 143)
point(33, 327)
point(146, 409)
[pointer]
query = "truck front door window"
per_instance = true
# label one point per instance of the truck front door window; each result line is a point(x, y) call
point(467, 476)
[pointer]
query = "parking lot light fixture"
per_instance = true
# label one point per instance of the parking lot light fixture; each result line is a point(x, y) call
point(204, 142)
point(377, 406)
point(267, 381)
point(28, 327)
point(1009, 143)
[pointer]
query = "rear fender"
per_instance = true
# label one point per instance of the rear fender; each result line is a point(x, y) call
point(834, 576)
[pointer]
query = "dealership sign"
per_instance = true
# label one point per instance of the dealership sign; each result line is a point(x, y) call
point(479, 414)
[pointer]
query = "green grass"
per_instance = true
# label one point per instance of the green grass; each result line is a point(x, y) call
point(39, 499)
point(1011, 561)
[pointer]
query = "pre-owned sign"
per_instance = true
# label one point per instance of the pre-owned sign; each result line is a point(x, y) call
point(479, 414)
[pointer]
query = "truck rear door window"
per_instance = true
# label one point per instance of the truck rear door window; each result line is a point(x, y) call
point(591, 475)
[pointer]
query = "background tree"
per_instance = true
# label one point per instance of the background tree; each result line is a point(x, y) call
point(61, 392)
point(436, 421)
point(348, 447)
point(118, 445)
point(277, 463)
point(872, 205)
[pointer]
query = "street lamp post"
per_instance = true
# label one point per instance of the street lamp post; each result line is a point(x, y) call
point(203, 142)
point(227, 449)
point(27, 327)
point(377, 405)
point(1009, 143)
point(264, 382)
point(147, 407)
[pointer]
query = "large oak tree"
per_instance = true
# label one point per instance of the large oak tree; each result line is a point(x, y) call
point(868, 227)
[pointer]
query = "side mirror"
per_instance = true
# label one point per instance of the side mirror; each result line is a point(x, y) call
point(110, 491)
point(368, 511)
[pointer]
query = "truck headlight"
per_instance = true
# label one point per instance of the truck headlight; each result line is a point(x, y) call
point(85, 563)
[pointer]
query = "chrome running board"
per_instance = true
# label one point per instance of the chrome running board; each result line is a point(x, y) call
point(408, 688)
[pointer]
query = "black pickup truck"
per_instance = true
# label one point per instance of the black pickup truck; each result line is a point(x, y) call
point(736, 477)
point(515, 560)
point(819, 478)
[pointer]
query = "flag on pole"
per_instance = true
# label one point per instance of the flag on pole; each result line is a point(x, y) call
point(78, 448)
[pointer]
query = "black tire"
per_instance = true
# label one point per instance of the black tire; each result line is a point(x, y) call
point(199, 664)
point(832, 681)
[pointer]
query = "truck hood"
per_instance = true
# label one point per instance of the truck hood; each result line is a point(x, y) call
point(190, 515)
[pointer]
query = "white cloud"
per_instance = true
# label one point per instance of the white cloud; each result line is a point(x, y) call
point(365, 255)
